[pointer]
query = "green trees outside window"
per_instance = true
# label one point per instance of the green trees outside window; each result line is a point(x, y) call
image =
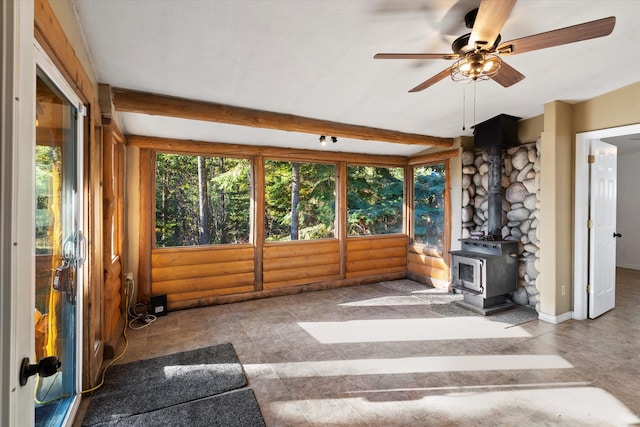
point(47, 159)
point(428, 189)
point(375, 198)
point(300, 201)
point(202, 200)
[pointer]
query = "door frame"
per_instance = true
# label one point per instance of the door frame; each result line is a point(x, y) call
point(581, 214)
point(17, 261)
point(47, 66)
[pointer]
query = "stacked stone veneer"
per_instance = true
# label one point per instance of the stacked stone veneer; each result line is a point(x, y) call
point(520, 205)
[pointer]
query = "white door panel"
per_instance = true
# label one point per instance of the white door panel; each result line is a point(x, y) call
point(602, 241)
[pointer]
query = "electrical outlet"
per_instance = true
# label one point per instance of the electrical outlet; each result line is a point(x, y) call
point(128, 276)
point(563, 290)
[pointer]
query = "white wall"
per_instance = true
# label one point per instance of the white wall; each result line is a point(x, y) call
point(628, 211)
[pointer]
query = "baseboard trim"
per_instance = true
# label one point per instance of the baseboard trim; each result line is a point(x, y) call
point(555, 319)
point(629, 266)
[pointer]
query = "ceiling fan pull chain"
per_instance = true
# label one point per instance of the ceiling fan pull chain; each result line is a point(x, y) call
point(474, 102)
point(464, 103)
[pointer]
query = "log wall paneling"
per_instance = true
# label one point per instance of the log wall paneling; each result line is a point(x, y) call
point(119, 213)
point(212, 268)
point(376, 255)
point(185, 300)
point(147, 221)
point(108, 191)
point(428, 262)
point(112, 299)
point(298, 263)
point(111, 291)
point(186, 275)
point(115, 166)
point(285, 290)
point(202, 284)
point(113, 223)
point(93, 338)
point(200, 255)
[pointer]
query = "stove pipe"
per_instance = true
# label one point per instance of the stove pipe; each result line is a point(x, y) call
point(493, 135)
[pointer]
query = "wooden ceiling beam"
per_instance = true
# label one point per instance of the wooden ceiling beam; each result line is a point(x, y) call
point(132, 101)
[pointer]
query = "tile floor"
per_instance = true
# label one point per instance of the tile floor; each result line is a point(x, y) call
point(377, 356)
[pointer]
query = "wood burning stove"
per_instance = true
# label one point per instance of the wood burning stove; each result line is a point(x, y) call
point(486, 268)
point(485, 271)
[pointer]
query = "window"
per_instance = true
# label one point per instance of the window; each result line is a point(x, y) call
point(375, 199)
point(299, 200)
point(428, 219)
point(202, 200)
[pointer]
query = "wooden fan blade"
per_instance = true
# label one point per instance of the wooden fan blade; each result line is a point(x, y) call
point(575, 33)
point(491, 17)
point(507, 76)
point(433, 80)
point(416, 56)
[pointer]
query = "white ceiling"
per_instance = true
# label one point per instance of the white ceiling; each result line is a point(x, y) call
point(627, 144)
point(315, 59)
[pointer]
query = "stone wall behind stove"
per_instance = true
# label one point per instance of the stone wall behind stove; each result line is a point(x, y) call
point(520, 205)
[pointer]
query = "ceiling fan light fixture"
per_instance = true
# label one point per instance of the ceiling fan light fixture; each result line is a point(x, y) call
point(488, 66)
point(476, 66)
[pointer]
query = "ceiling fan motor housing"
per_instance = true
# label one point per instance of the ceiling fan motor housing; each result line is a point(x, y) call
point(461, 45)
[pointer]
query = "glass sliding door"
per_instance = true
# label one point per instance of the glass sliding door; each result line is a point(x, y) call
point(59, 250)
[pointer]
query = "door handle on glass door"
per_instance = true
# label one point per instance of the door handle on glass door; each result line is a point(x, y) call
point(82, 248)
point(44, 368)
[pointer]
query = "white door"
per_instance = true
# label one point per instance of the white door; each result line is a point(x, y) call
point(602, 234)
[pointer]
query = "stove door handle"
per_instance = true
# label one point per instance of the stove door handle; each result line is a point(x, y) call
point(462, 288)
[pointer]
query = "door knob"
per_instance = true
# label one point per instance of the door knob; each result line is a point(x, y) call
point(45, 368)
point(617, 235)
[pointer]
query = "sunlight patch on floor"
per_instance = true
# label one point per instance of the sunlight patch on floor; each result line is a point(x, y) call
point(466, 388)
point(389, 330)
point(565, 406)
point(174, 371)
point(386, 301)
point(412, 365)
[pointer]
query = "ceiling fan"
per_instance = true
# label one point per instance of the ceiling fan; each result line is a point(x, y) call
point(478, 54)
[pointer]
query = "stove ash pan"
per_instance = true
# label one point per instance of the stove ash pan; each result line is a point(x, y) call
point(485, 272)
